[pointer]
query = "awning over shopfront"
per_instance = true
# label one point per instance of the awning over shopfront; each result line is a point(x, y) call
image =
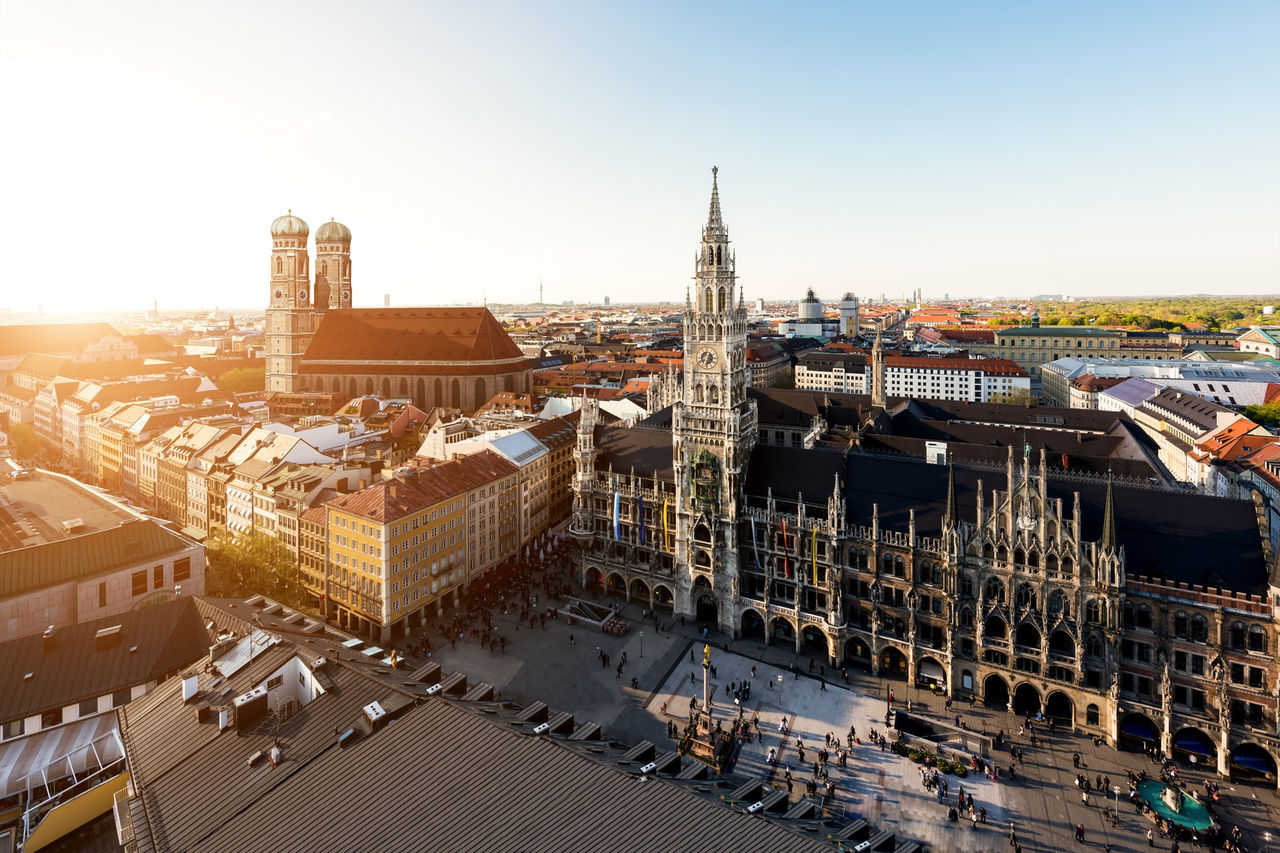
point(75, 743)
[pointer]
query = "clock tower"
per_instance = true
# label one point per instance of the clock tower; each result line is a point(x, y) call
point(713, 428)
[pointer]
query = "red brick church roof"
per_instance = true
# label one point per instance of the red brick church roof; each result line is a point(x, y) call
point(467, 337)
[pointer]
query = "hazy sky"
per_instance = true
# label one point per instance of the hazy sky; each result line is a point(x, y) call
point(474, 148)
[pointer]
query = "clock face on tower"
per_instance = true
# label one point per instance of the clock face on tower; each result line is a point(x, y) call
point(346, 296)
point(302, 296)
point(706, 358)
point(279, 293)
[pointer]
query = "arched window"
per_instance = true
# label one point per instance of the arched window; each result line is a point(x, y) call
point(1142, 618)
point(966, 585)
point(1127, 615)
point(482, 395)
point(1091, 715)
point(714, 395)
point(1093, 612)
point(1257, 639)
point(697, 394)
point(1002, 554)
point(966, 617)
point(988, 551)
point(1237, 635)
point(1058, 604)
point(279, 266)
point(456, 393)
point(437, 393)
point(324, 268)
point(368, 386)
point(1033, 560)
point(1051, 564)
point(1093, 646)
point(404, 387)
point(1068, 567)
point(1026, 596)
point(1018, 556)
point(720, 299)
point(1181, 625)
point(886, 564)
point(994, 590)
point(1199, 629)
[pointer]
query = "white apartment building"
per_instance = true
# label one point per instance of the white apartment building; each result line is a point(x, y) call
point(965, 379)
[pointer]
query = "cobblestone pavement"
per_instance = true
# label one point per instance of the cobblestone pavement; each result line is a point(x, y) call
point(1043, 804)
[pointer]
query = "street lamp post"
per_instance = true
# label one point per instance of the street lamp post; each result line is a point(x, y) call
point(642, 644)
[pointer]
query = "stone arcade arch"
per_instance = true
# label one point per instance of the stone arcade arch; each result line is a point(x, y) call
point(1026, 699)
point(704, 603)
point(752, 625)
point(782, 629)
point(813, 640)
point(640, 592)
point(995, 691)
point(663, 598)
point(1059, 708)
point(893, 663)
point(617, 585)
point(1249, 762)
point(594, 578)
point(1190, 742)
point(1138, 733)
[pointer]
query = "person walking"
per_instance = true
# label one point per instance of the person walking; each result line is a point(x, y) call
point(1151, 838)
point(1075, 760)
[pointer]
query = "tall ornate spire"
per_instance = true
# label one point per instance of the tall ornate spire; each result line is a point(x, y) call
point(1109, 518)
point(715, 230)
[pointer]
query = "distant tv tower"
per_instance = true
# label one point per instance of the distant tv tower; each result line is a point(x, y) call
point(540, 292)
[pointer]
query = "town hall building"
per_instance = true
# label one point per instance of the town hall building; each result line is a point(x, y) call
point(1145, 615)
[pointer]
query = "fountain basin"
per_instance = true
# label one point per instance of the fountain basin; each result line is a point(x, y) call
point(1193, 814)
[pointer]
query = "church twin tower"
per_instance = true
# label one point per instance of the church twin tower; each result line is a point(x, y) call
point(296, 307)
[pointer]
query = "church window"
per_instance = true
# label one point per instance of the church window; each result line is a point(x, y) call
point(1257, 639)
point(1026, 596)
point(279, 266)
point(720, 296)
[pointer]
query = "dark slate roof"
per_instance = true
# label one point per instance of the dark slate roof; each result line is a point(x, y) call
point(167, 636)
point(77, 557)
point(445, 778)
point(1177, 535)
point(647, 450)
point(1182, 536)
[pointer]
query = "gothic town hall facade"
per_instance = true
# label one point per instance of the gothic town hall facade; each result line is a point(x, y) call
point(1146, 616)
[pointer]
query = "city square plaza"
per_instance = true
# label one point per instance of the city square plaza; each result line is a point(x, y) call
point(1043, 804)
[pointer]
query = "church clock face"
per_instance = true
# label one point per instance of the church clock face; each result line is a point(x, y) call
point(302, 296)
point(706, 358)
point(346, 296)
point(279, 294)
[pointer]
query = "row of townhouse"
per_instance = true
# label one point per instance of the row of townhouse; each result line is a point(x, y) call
point(401, 550)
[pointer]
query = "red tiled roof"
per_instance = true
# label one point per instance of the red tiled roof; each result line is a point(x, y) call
point(977, 336)
point(388, 500)
point(461, 340)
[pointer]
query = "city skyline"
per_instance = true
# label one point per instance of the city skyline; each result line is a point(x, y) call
point(477, 151)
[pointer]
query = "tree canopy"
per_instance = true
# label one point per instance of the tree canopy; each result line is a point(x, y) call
point(253, 563)
point(243, 380)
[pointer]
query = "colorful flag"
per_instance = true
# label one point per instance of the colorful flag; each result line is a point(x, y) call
point(814, 549)
point(666, 532)
point(786, 563)
point(617, 508)
point(754, 548)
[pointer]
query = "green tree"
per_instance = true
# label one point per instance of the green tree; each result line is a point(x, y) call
point(253, 563)
point(25, 442)
point(785, 379)
point(1016, 397)
point(1267, 414)
point(243, 380)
